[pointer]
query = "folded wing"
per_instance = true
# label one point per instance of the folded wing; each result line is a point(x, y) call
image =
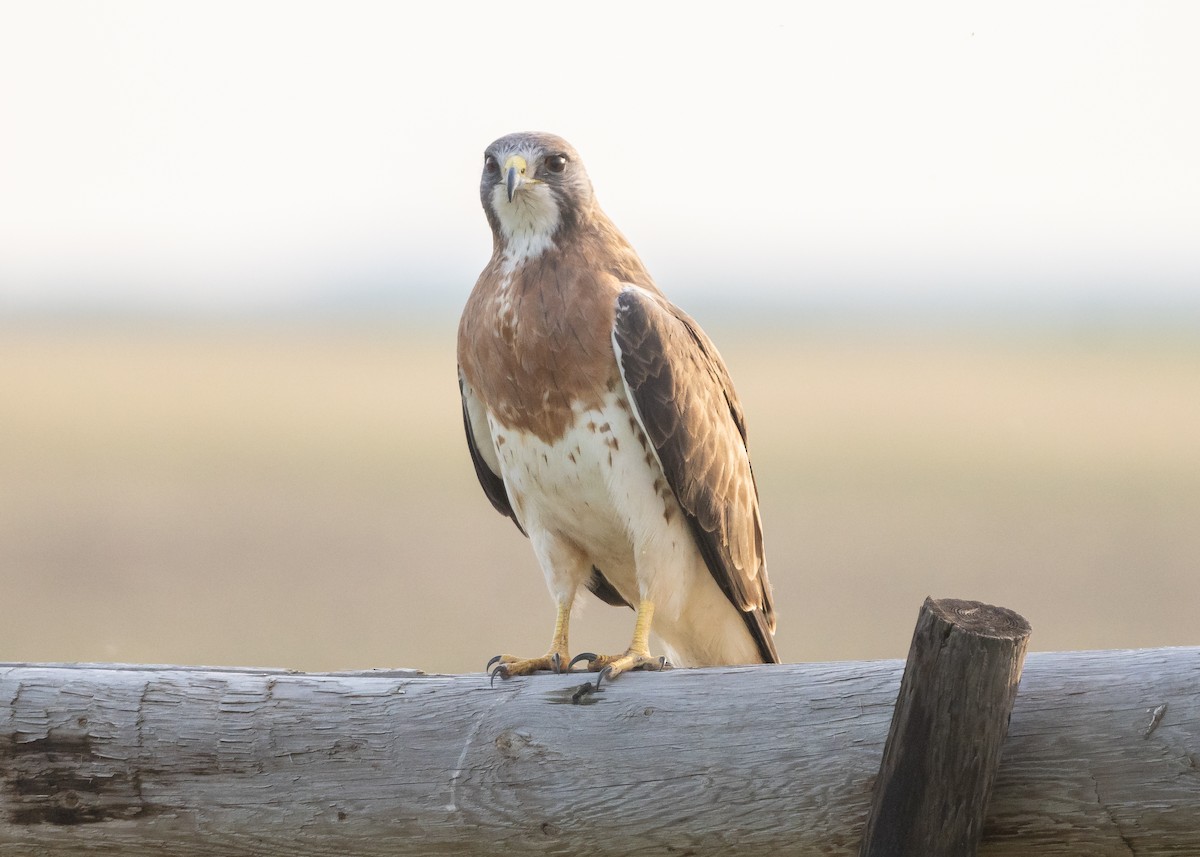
point(684, 399)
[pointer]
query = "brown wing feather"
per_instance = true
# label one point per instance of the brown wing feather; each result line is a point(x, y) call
point(599, 586)
point(687, 405)
point(493, 484)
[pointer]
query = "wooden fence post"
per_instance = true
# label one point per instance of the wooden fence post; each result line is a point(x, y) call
point(951, 716)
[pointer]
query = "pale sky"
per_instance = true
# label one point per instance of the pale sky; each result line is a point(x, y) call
point(228, 155)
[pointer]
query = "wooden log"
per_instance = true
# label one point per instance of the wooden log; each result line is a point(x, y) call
point(943, 747)
point(753, 761)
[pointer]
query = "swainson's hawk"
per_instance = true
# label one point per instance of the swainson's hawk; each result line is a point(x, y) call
point(602, 420)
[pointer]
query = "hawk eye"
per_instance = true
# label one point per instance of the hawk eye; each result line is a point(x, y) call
point(489, 164)
point(556, 163)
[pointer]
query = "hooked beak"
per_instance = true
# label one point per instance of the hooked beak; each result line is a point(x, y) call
point(514, 175)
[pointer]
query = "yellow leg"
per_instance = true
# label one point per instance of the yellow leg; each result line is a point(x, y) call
point(554, 660)
point(562, 624)
point(641, 629)
point(636, 657)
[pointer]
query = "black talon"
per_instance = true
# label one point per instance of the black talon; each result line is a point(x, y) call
point(500, 670)
point(604, 673)
point(582, 656)
point(556, 662)
point(492, 661)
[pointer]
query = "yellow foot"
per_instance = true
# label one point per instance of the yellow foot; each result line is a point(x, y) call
point(507, 666)
point(611, 666)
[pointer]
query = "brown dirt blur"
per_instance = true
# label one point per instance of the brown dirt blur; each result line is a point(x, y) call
point(301, 496)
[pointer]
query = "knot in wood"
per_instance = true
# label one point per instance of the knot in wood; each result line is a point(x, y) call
point(513, 744)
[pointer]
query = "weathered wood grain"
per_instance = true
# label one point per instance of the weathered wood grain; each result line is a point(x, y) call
point(764, 760)
point(943, 747)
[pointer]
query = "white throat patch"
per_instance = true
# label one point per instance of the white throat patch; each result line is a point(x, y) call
point(528, 223)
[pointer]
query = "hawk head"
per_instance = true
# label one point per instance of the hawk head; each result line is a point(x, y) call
point(534, 187)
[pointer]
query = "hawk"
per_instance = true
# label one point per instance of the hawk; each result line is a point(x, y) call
point(602, 420)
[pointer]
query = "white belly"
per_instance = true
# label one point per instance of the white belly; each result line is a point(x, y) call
point(588, 487)
point(597, 497)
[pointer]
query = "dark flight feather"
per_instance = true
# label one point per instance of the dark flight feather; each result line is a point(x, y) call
point(599, 586)
point(493, 484)
point(687, 406)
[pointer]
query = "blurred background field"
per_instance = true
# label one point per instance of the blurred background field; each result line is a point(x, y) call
point(948, 250)
point(299, 494)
